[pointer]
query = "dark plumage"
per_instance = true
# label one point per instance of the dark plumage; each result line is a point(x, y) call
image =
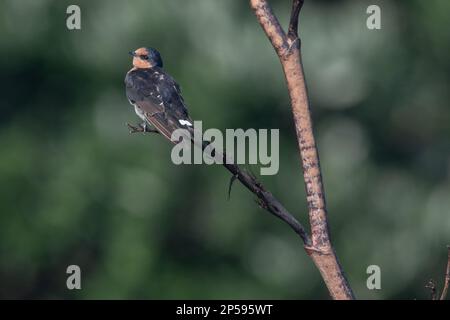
point(155, 94)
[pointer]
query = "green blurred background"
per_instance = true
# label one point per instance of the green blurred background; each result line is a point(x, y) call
point(77, 188)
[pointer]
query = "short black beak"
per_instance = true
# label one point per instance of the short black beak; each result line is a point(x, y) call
point(132, 53)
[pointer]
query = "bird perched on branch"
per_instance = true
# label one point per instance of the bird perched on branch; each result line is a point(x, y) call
point(157, 100)
point(155, 95)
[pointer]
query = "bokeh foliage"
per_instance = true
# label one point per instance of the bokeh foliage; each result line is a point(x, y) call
point(76, 188)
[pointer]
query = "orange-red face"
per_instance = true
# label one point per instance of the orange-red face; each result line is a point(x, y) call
point(144, 58)
point(141, 58)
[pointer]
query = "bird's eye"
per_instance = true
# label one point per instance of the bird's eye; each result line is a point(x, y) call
point(145, 57)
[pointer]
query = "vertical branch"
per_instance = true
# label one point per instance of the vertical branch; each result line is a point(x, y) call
point(271, 26)
point(287, 47)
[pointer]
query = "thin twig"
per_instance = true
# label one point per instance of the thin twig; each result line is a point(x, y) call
point(230, 185)
point(267, 200)
point(293, 23)
point(447, 277)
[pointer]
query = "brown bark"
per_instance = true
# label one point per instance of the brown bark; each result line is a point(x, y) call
point(287, 47)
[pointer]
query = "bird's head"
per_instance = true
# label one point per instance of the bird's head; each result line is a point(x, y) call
point(146, 58)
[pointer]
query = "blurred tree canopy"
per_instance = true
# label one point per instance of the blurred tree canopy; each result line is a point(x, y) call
point(76, 188)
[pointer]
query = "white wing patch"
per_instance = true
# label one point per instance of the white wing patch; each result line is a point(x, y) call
point(185, 122)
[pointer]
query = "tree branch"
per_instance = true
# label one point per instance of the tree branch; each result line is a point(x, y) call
point(267, 201)
point(287, 48)
point(447, 276)
point(271, 26)
point(293, 23)
point(318, 246)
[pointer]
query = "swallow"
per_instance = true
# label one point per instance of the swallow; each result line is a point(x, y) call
point(157, 100)
point(155, 95)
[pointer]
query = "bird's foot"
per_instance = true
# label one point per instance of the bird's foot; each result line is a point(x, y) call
point(134, 129)
point(141, 128)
